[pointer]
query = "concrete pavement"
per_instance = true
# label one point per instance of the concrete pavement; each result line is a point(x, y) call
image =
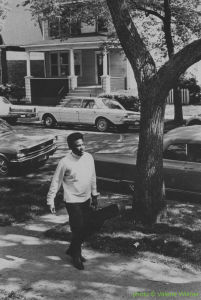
point(39, 269)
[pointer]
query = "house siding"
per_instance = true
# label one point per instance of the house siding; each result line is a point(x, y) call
point(117, 65)
point(118, 71)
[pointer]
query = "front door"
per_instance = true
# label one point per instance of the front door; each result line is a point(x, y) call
point(99, 67)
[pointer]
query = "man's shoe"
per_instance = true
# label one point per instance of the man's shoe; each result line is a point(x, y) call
point(77, 263)
point(69, 252)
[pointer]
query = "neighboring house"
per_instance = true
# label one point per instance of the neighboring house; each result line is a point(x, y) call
point(76, 64)
point(16, 29)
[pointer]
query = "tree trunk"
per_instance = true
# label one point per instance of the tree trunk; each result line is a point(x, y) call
point(178, 112)
point(149, 194)
point(153, 88)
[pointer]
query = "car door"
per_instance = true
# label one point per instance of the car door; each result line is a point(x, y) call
point(193, 168)
point(175, 167)
point(69, 113)
point(4, 106)
point(87, 113)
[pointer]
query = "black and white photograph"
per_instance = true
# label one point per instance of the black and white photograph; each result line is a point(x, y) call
point(100, 149)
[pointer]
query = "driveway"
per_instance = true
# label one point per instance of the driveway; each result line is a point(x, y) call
point(38, 268)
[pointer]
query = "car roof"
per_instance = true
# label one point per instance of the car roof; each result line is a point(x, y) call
point(83, 97)
point(185, 134)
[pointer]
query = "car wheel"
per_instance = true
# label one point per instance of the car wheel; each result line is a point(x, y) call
point(3, 166)
point(102, 124)
point(49, 121)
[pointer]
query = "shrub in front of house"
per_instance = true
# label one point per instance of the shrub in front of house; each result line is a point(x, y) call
point(12, 91)
point(129, 102)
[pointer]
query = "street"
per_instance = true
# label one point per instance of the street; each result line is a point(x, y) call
point(94, 140)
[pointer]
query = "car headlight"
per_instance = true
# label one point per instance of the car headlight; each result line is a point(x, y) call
point(20, 154)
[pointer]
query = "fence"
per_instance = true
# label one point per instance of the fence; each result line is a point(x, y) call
point(185, 96)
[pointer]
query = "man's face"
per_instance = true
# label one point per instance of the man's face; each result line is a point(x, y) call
point(78, 147)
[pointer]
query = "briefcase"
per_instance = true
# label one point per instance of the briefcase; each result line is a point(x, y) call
point(99, 216)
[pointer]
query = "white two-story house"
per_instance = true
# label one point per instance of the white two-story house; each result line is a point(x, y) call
point(79, 63)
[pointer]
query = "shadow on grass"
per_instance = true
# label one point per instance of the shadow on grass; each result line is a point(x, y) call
point(177, 236)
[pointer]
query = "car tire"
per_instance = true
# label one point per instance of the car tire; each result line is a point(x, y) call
point(102, 124)
point(4, 168)
point(49, 121)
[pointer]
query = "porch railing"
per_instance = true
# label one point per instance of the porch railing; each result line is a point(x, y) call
point(185, 96)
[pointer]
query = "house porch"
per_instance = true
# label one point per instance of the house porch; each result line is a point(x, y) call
point(70, 65)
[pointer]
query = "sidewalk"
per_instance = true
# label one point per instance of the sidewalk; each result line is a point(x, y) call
point(39, 269)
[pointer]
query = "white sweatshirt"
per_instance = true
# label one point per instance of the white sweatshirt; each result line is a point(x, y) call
point(78, 177)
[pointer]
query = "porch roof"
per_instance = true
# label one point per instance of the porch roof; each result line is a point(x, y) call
point(82, 42)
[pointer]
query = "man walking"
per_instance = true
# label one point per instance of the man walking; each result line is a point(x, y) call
point(76, 172)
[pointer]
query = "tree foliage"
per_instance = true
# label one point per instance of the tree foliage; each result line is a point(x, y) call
point(4, 8)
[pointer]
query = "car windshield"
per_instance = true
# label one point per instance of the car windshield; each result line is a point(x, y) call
point(4, 127)
point(112, 104)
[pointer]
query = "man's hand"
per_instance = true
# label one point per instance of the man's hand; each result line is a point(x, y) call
point(94, 201)
point(52, 209)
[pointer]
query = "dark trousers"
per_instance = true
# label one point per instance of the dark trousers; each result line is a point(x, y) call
point(85, 221)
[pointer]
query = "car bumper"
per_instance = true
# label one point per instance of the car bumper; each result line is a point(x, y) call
point(34, 159)
point(24, 115)
point(131, 122)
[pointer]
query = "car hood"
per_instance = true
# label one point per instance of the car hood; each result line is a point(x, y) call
point(115, 157)
point(22, 141)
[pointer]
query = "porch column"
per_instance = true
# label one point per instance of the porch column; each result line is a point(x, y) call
point(105, 78)
point(3, 67)
point(72, 79)
point(28, 78)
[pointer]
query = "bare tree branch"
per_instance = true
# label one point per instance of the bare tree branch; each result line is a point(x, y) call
point(148, 11)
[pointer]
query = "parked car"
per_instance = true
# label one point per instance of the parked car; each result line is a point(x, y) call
point(22, 150)
point(194, 120)
point(11, 113)
point(182, 164)
point(100, 112)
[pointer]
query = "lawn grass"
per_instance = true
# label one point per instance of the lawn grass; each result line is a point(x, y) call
point(176, 239)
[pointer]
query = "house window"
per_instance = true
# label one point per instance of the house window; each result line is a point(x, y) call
point(59, 64)
point(75, 28)
point(78, 63)
point(58, 27)
point(54, 64)
point(101, 25)
point(61, 27)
